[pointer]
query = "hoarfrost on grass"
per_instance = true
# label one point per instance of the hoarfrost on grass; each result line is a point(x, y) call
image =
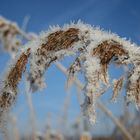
point(96, 74)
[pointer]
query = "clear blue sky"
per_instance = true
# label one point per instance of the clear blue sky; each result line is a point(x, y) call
point(119, 16)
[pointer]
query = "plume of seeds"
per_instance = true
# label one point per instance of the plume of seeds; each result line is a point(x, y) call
point(106, 51)
point(59, 41)
point(10, 36)
point(9, 91)
point(94, 50)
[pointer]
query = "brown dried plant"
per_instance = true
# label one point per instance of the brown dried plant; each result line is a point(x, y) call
point(13, 79)
point(106, 51)
point(94, 50)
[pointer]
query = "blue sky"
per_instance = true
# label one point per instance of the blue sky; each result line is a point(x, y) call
point(119, 16)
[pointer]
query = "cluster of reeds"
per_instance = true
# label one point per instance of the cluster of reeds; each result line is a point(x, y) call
point(94, 50)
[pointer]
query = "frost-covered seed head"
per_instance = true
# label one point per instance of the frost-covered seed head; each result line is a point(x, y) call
point(95, 50)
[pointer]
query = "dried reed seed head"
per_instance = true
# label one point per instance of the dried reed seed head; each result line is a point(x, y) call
point(11, 26)
point(61, 40)
point(45, 54)
point(16, 72)
point(106, 51)
point(9, 32)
